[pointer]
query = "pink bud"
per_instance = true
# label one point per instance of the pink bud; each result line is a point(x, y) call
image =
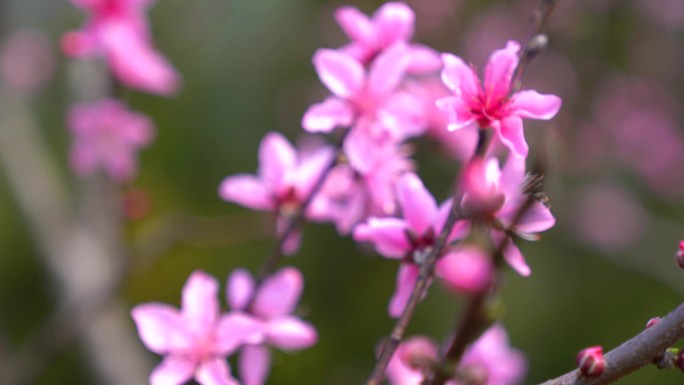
point(652, 322)
point(590, 361)
point(680, 255)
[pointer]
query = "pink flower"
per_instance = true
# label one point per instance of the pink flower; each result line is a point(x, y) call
point(491, 104)
point(410, 240)
point(495, 197)
point(489, 361)
point(370, 100)
point(195, 340)
point(392, 23)
point(118, 30)
point(107, 135)
point(284, 181)
point(271, 309)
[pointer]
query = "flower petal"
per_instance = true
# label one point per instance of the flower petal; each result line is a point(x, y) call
point(531, 104)
point(406, 280)
point(458, 113)
point(418, 205)
point(460, 229)
point(276, 158)
point(311, 168)
point(161, 328)
point(279, 293)
point(403, 115)
point(499, 71)
point(291, 333)
point(200, 306)
point(465, 270)
point(239, 289)
point(235, 329)
point(356, 25)
point(459, 77)
point(254, 363)
point(511, 253)
point(394, 22)
point(537, 218)
point(342, 74)
point(388, 70)
point(423, 60)
point(510, 132)
point(387, 234)
point(215, 372)
point(173, 371)
point(324, 117)
point(246, 190)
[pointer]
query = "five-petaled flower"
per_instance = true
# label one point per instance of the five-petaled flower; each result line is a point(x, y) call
point(196, 339)
point(491, 104)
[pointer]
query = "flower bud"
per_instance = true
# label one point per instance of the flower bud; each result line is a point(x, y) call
point(590, 361)
point(652, 322)
point(680, 360)
point(680, 255)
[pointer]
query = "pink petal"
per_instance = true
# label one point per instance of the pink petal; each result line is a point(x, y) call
point(394, 23)
point(342, 74)
point(536, 219)
point(311, 169)
point(161, 328)
point(418, 205)
point(531, 104)
point(235, 329)
point(403, 115)
point(240, 289)
point(459, 77)
point(458, 113)
point(291, 333)
point(510, 132)
point(499, 71)
point(460, 229)
point(215, 372)
point(511, 253)
point(466, 270)
point(406, 280)
point(120, 166)
point(255, 363)
point(387, 234)
point(246, 190)
point(136, 63)
point(279, 293)
point(388, 70)
point(324, 117)
point(513, 176)
point(399, 370)
point(356, 25)
point(173, 371)
point(276, 158)
point(423, 60)
point(200, 306)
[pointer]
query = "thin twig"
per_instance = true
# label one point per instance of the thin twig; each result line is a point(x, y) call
point(633, 354)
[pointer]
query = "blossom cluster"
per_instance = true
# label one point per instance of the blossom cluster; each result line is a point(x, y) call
point(385, 91)
point(106, 134)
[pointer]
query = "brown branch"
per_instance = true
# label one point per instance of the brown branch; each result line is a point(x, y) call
point(633, 354)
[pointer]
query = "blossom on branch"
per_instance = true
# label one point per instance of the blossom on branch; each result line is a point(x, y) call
point(107, 135)
point(118, 31)
point(196, 339)
point(392, 23)
point(284, 181)
point(491, 104)
point(270, 307)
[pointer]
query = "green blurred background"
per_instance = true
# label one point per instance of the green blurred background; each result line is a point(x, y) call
point(598, 276)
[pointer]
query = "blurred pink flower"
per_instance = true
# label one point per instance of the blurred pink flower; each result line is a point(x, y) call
point(285, 180)
point(271, 309)
point(489, 361)
point(491, 104)
point(496, 196)
point(195, 339)
point(392, 23)
point(412, 237)
point(118, 31)
point(27, 60)
point(107, 135)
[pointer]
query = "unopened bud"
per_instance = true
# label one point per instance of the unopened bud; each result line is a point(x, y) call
point(537, 44)
point(652, 322)
point(590, 361)
point(680, 360)
point(680, 255)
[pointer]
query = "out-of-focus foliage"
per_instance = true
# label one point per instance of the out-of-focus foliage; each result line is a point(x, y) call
point(613, 160)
